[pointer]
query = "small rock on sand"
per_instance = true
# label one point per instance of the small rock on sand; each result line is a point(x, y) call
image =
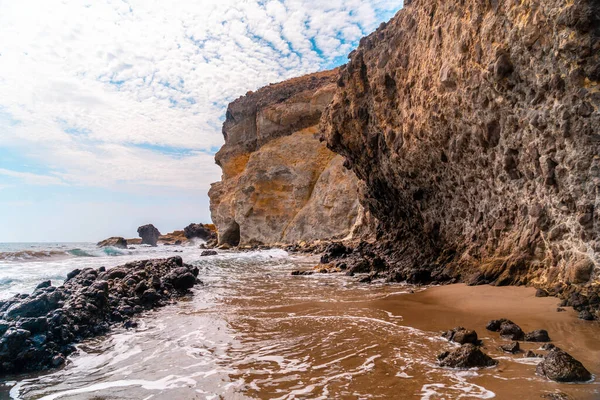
point(467, 356)
point(512, 348)
point(461, 335)
point(560, 366)
point(540, 336)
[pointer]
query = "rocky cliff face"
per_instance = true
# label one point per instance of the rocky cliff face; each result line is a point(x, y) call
point(279, 183)
point(474, 126)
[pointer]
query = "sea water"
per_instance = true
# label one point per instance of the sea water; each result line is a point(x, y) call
point(252, 330)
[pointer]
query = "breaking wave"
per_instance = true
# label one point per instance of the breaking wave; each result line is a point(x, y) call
point(33, 255)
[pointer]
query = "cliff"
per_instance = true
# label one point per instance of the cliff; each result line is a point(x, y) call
point(280, 184)
point(475, 130)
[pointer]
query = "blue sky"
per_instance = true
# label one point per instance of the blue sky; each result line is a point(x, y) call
point(111, 111)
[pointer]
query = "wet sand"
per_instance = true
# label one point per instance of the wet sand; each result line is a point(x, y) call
point(445, 307)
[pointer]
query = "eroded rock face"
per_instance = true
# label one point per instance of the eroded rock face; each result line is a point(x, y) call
point(280, 184)
point(476, 131)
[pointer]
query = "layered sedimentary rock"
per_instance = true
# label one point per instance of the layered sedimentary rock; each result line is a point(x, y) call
point(474, 126)
point(279, 183)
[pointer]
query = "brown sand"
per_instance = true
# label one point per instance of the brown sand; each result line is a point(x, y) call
point(442, 308)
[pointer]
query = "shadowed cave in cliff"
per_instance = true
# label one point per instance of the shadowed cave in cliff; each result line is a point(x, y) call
point(231, 235)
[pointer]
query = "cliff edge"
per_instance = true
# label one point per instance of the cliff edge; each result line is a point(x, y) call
point(475, 130)
point(280, 184)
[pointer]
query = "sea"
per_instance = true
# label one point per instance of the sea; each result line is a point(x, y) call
point(254, 331)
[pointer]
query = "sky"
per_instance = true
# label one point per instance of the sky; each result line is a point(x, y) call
point(111, 111)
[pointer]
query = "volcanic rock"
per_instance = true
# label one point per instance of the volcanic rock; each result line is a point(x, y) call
point(467, 356)
point(149, 234)
point(117, 242)
point(560, 366)
point(199, 231)
point(507, 329)
point(512, 348)
point(540, 335)
point(473, 128)
point(39, 330)
point(461, 335)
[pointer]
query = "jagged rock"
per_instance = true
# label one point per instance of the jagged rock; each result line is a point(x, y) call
point(207, 253)
point(560, 366)
point(586, 315)
point(557, 396)
point(511, 331)
point(467, 356)
point(117, 242)
point(334, 251)
point(149, 234)
point(531, 354)
point(39, 330)
point(280, 184)
point(540, 335)
point(199, 231)
point(302, 273)
point(507, 329)
point(480, 161)
point(512, 348)
point(174, 238)
point(461, 335)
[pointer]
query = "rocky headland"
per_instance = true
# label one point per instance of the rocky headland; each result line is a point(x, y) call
point(150, 235)
point(280, 184)
point(473, 130)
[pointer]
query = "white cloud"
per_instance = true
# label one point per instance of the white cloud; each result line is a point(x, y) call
point(89, 80)
point(32, 179)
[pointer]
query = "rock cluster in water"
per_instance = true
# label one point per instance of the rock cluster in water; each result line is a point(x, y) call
point(38, 330)
point(556, 365)
point(280, 185)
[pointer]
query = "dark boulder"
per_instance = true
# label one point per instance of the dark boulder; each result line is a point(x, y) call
point(531, 354)
point(586, 315)
point(44, 285)
point(539, 335)
point(149, 234)
point(334, 251)
point(302, 273)
point(507, 329)
point(560, 366)
point(207, 253)
point(512, 348)
point(461, 335)
point(467, 356)
point(199, 231)
point(117, 242)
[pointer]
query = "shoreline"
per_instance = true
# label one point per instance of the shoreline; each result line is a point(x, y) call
point(430, 311)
